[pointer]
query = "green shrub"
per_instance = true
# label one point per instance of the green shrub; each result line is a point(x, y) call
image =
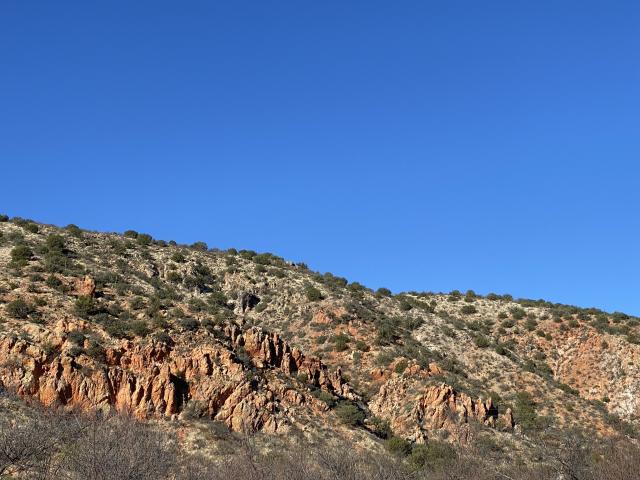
point(21, 254)
point(468, 310)
point(55, 243)
point(74, 230)
point(96, 351)
point(131, 234)
point(164, 337)
point(30, 227)
point(383, 292)
point(362, 346)
point(18, 308)
point(398, 446)
point(312, 293)
point(340, 342)
point(525, 410)
point(137, 303)
point(4, 218)
point(84, 306)
point(189, 324)
point(140, 328)
point(381, 427)
point(349, 414)
point(144, 239)
point(517, 313)
point(481, 341)
point(325, 397)
point(405, 306)
point(200, 246)
point(401, 366)
point(433, 454)
point(178, 257)
point(54, 282)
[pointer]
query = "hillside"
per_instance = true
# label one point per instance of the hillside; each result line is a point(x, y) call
point(202, 342)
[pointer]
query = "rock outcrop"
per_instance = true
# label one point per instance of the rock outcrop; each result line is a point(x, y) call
point(155, 379)
point(435, 407)
point(85, 286)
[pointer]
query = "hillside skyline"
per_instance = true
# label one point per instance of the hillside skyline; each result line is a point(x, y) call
point(414, 146)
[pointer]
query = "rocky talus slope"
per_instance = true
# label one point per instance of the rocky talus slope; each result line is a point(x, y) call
point(185, 334)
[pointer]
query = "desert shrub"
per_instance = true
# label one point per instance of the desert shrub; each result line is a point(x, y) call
point(517, 313)
point(55, 243)
point(84, 306)
point(178, 257)
point(140, 328)
point(383, 292)
point(76, 337)
point(383, 359)
point(74, 230)
point(137, 303)
point(189, 324)
point(29, 226)
point(468, 310)
point(4, 218)
point(433, 454)
point(398, 446)
point(174, 277)
point(340, 342)
point(362, 346)
point(53, 282)
point(200, 246)
point(21, 254)
point(525, 410)
point(501, 350)
point(381, 427)
point(19, 309)
point(96, 351)
point(349, 414)
point(401, 366)
point(130, 234)
point(312, 293)
point(481, 341)
point(144, 239)
point(387, 331)
point(325, 397)
point(163, 337)
point(405, 306)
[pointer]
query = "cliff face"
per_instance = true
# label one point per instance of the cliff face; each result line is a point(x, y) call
point(156, 379)
point(161, 331)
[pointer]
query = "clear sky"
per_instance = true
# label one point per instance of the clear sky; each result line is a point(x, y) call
point(417, 145)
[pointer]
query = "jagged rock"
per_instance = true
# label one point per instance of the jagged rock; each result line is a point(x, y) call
point(156, 380)
point(438, 407)
point(85, 286)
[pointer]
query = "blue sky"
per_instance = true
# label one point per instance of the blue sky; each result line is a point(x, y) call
point(418, 145)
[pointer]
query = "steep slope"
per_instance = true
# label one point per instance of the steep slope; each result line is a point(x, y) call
point(163, 331)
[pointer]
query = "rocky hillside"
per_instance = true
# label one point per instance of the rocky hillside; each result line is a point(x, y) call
point(249, 342)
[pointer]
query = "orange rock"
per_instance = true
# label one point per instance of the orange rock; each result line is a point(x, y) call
point(86, 286)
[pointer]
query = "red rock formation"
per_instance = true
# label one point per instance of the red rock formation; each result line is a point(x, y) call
point(435, 408)
point(85, 287)
point(156, 380)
